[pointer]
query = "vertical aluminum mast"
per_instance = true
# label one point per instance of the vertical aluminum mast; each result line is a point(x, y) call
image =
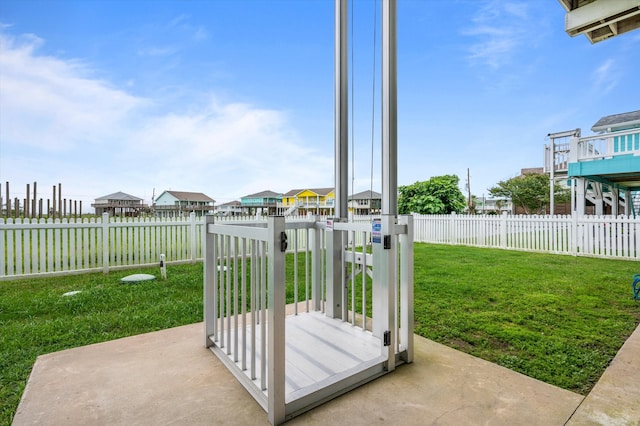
point(341, 109)
point(335, 239)
point(389, 109)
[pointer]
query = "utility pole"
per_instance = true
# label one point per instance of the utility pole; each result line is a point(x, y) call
point(469, 203)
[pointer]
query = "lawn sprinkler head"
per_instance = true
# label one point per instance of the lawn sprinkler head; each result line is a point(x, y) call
point(163, 267)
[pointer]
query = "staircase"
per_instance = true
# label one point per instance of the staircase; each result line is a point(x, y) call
point(291, 210)
point(594, 192)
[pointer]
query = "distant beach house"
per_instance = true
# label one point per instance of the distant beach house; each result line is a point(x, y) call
point(265, 202)
point(365, 203)
point(232, 208)
point(182, 203)
point(493, 205)
point(604, 169)
point(320, 201)
point(119, 204)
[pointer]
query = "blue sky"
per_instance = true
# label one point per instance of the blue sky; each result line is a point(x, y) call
point(232, 97)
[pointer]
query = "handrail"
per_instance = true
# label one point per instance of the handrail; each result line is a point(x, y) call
point(606, 135)
point(606, 145)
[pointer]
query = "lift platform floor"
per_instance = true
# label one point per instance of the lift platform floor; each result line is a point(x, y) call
point(323, 355)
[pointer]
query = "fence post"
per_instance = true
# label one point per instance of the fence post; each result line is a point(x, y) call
point(210, 275)
point(3, 243)
point(452, 228)
point(105, 243)
point(192, 236)
point(574, 233)
point(503, 230)
point(406, 287)
point(275, 322)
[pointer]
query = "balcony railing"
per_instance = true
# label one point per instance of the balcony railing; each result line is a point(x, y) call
point(309, 204)
point(605, 146)
point(560, 159)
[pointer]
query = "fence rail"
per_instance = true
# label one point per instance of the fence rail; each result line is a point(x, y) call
point(32, 247)
point(597, 236)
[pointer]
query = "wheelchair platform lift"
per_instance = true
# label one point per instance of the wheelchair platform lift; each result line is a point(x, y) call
point(354, 322)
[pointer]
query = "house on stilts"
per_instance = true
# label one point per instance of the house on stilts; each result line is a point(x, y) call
point(603, 170)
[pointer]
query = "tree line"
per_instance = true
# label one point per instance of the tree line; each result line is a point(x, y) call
point(441, 195)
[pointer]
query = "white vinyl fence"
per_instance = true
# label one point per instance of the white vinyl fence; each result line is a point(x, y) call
point(31, 247)
point(61, 246)
point(597, 236)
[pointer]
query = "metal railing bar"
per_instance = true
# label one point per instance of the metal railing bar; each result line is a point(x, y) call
point(353, 278)
point(321, 235)
point(243, 249)
point(263, 315)
point(307, 255)
point(254, 319)
point(295, 270)
point(220, 272)
point(235, 299)
point(244, 231)
point(216, 282)
point(364, 281)
point(227, 272)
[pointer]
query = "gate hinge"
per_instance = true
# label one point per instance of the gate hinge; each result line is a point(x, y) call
point(387, 338)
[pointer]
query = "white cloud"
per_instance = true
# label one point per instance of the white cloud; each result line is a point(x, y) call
point(51, 104)
point(518, 10)
point(98, 139)
point(232, 144)
point(500, 29)
point(181, 22)
point(493, 52)
point(605, 77)
point(200, 34)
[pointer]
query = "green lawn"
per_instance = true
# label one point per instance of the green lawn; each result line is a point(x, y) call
point(559, 319)
point(35, 319)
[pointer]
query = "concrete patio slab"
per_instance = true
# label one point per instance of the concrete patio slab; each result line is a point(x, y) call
point(168, 377)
